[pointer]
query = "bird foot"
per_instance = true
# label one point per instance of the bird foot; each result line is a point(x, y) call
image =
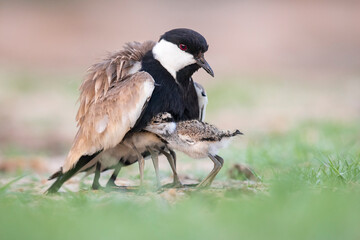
point(173, 185)
point(111, 184)
point(193, 185)
point(97, 187)
point(202, 185)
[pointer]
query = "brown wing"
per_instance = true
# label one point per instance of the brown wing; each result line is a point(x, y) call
point(108, 120)
point(115, 67)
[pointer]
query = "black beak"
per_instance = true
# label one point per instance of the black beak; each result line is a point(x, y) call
point(200, 60)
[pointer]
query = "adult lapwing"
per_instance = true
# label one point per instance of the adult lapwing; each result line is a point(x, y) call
point(121, 94)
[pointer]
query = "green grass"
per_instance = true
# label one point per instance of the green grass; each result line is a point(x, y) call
point(311, 177)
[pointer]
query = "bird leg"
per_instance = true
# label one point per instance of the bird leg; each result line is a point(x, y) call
point(171, 160)
point(176, 180)
point(222, 163)
point(111, 182)
point(141, 161)
point(173, 154)
point(155, 160)
point(96, 185)
point(217, 166)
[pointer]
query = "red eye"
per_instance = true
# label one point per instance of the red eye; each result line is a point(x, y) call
point(183, 47)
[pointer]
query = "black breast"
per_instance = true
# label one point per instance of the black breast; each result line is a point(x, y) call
point(189, 94)
point(180, 100)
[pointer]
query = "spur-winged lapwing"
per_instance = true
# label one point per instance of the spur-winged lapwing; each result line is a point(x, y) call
point(121, 94)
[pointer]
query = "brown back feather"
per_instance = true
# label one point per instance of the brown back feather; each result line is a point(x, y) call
point(102, 75)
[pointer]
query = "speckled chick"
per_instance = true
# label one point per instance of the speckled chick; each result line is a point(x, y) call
point(194, 138)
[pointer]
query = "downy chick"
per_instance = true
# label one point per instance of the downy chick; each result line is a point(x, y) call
point(195, 138)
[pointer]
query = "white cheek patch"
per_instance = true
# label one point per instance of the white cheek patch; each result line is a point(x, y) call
point(170, 128)
point(162, 129)
point(102, 124)
point(171, 57)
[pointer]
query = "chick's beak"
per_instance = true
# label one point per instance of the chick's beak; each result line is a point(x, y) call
point(200, 60)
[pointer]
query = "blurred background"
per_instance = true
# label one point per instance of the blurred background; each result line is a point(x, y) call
point(276, 63)
point(287, 74)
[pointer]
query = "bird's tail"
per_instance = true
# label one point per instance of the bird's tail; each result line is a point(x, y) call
point(61, 177)
point(55, 175)
point(236, 132)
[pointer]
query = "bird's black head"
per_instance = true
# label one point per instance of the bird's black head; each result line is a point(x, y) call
point(180, 48)
point(187, 40)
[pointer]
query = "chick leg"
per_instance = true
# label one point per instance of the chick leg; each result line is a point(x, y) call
point(111, 182)
point(155, 160)
point(176, 181)
point(208, 180)
point(141, 161)
point(96, 185)
point(173, 154)
point(222, 163)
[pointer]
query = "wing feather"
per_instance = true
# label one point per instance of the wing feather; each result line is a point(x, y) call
point(116, 67)
point(109, 118)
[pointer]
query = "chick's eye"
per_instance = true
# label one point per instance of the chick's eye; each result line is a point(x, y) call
point(183, 47)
